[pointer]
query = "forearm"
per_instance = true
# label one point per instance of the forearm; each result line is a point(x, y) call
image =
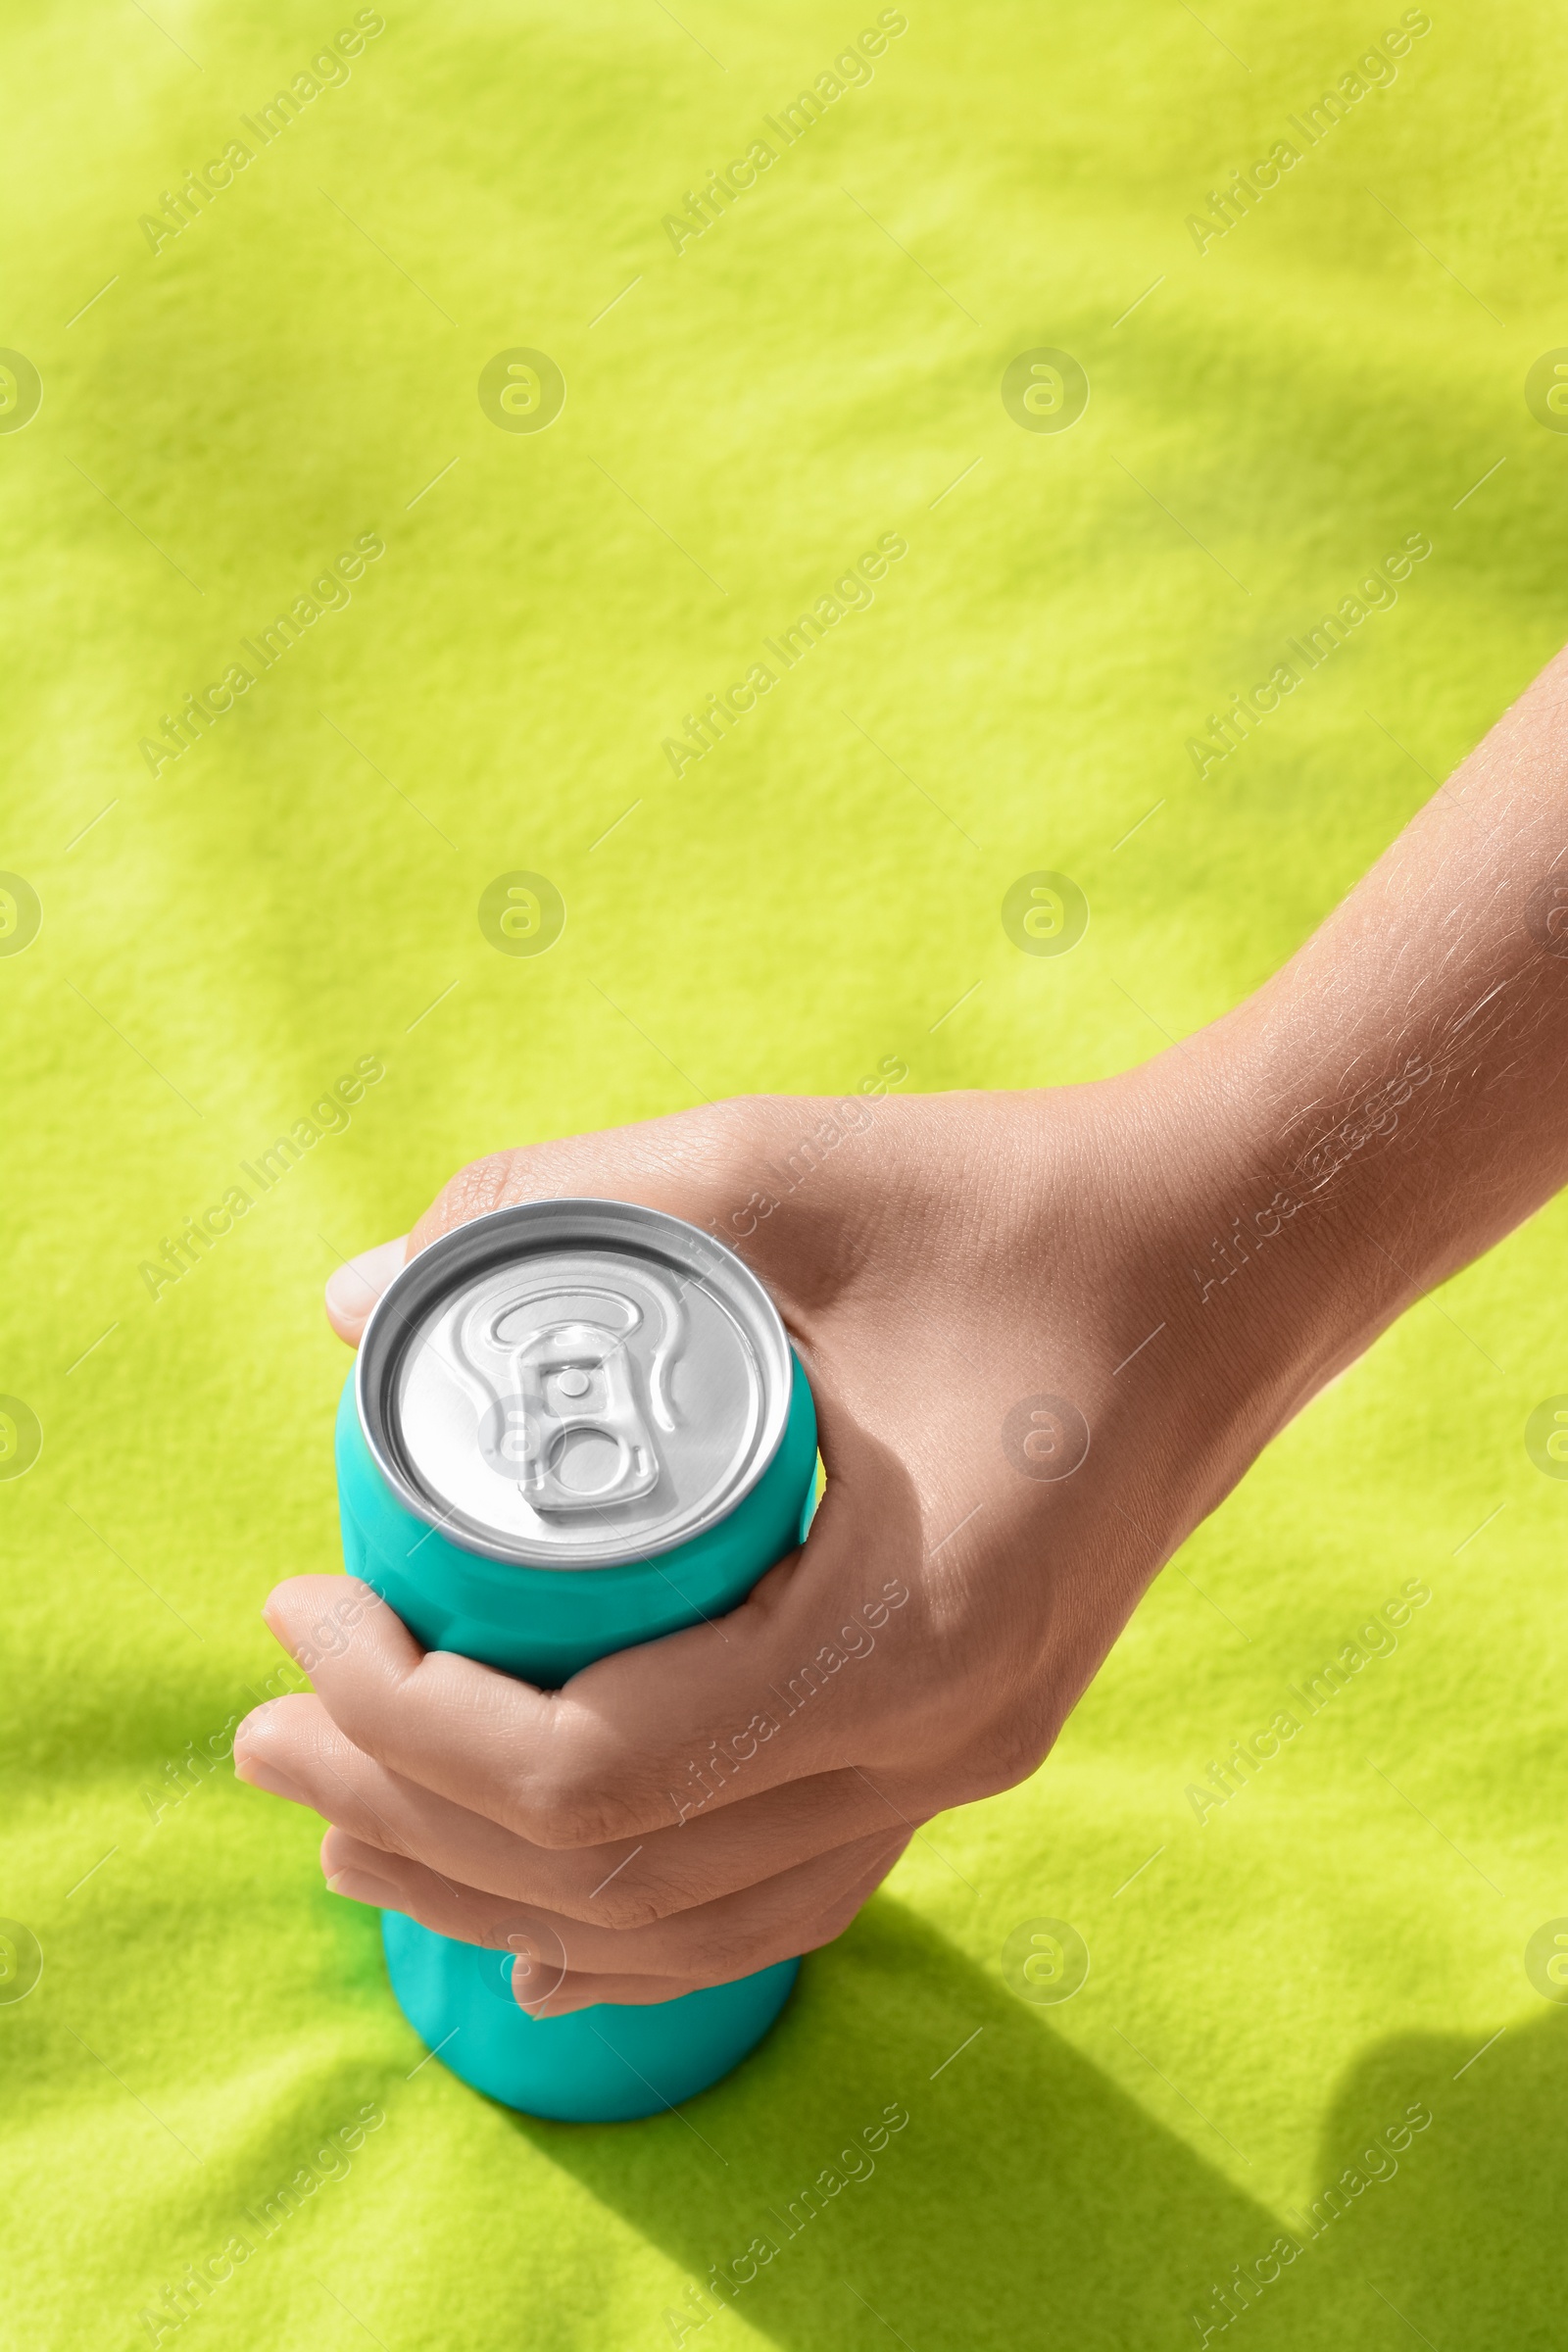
point(1395, 1098)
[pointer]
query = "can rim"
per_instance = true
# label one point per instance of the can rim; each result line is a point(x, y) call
point(520, 1229)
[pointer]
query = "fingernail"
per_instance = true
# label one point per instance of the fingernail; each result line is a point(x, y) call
point(359, 1886)
point(356, 1286)
point(347, 1292)
point(249, 1767)
point(273, 1620)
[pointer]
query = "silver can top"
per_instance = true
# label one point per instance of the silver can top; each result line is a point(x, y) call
point(574, 1384)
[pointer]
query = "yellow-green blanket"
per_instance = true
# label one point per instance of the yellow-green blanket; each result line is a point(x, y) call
point(416, 426)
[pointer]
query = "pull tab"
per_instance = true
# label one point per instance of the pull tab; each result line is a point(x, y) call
point(584, 1440)
point(563, 1417)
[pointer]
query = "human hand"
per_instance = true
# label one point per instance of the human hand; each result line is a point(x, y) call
point(974, 1283)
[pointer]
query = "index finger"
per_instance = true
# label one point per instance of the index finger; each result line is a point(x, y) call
point(702, 1164)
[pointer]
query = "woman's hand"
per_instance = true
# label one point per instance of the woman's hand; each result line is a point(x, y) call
point(1024, 1406)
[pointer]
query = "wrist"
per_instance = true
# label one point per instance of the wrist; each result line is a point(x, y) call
point(1261, 1297)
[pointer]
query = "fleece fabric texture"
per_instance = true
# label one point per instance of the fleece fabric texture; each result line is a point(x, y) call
point(737, 390)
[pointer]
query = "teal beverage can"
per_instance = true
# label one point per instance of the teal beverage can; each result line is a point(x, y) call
point(573, 1425)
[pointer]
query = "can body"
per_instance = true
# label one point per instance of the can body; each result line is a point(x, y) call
point(545, 1622)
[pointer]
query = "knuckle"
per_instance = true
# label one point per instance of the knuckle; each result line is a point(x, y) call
point(535, 1824)
point(716, 1950)
point(740, 1953)
point(1012, 1750)
point(327, 1633)
point(623, 1908)
point(482, 1186)
point(831, 1924)
point(559, 1810)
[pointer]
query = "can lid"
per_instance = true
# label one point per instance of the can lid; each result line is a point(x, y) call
point(574, 1384)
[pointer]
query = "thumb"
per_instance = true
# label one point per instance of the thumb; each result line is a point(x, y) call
point(358, 1283)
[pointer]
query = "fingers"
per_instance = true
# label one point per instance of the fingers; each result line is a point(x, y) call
point(696, 1164)
point(644, 1739)
point(717, 1166)
point(712, 1944)
point(292, 1748)
point(358, 1283)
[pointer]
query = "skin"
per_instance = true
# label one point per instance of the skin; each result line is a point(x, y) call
point(1184, 1254)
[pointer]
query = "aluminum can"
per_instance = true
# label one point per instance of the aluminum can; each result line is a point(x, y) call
point(573, 1425)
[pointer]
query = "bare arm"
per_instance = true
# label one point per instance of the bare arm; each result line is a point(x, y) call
point(1401, 1087)
point(1046, 1333)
